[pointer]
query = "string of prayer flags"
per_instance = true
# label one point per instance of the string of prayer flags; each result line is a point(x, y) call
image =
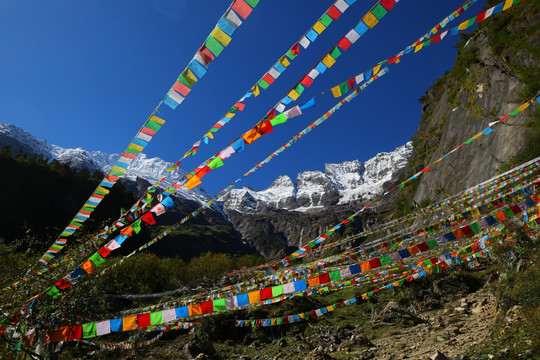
point(303, 250)
point(223, 31)
point(218, 39)
point(139, 142)
point(368, 21)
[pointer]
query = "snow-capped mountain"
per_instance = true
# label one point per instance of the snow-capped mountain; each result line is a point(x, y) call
point(339, 184)
point(149, 169)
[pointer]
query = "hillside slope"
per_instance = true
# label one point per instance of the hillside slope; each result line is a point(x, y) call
point(496, 70)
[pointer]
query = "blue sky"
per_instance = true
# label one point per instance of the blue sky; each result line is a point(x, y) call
point(88, 74)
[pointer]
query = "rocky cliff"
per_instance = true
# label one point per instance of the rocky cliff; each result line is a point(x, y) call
point(286, 215)
point(496, 70)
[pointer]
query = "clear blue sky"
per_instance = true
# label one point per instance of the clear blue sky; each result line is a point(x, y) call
point(87, 74)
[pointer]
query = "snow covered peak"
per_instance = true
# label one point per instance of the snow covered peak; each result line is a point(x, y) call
point(341, 183)
point(149, 169)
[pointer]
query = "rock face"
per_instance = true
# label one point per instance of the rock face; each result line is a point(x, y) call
point(490, 79)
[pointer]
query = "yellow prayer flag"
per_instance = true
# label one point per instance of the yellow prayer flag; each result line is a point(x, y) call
point(155, 119)
point(330, 308)
point(220, 36)
point(523, 107)
point(284, 61)
point(135, 147)
point(273, 322)
point(103, 190)
point(255, 90)
point(293, 94)
point(336, 91)
point(209, 134)
point(370, 20)
point(129, 323)
point(87, 266)
point(319, 27)
point(328, 60)
point(230, 115)
point(439, 159)
point(376, 69)
point(507, 4)
point(477, 135)
point(419, 47)
point(118, 168)
point(190, 77)
point(254, 297)
point(302, 316)
point(192, 182)
point(463, 25)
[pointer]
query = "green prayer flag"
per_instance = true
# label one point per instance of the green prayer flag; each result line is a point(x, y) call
point(214, 46)
point(469, 141)
point(280, 119)
point(217, 162)
point(299, 89)
point(335, 276)
point(427, 262)
point(262, 83)
point(379, 11)
point(89, 330)
point(156, 318)
point(335, 53)
point(385, 260)
point(277, 290)
point(326, 20)
point(344, 88)
point(219, 305)
point(97, 259)
point(252, 3)
point(475, 227)
point(136, 226)
point(514, 113)
point(152, 125)
point(432, 243)
point(53, 292)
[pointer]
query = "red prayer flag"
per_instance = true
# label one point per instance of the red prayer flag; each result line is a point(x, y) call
point(351, 83)
point(265, 128)
point(334, 12)
point(181, 88)
point(480, 17)
point(148, 218)
point(266, 293)
point(306, 81)
point(207, 307)
point(344, 43)
point(203, 172)
point(206, 54)
point(143, 320)
point(240, 106)
point(271, 114)
point(104, 252)
point(388, 4)
point(324, 278)
point(295, 50)
point(62, 284)
point(242, 8)
point(75, 332)
point(269, 79)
